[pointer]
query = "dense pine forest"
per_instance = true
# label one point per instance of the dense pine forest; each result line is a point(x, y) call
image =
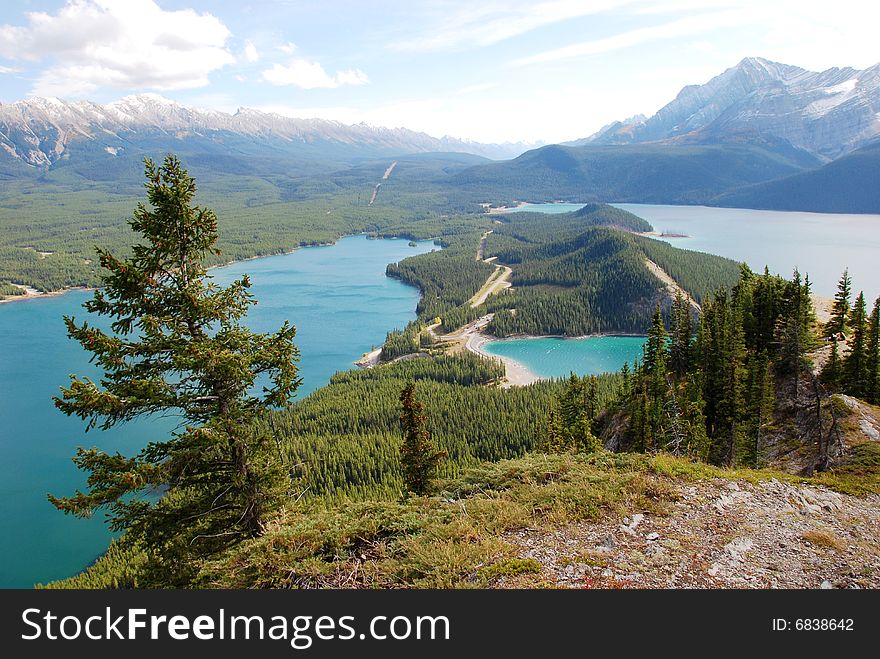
point(51, 225)
point(344, 439)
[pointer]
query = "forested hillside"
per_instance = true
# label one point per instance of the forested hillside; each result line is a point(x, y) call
point(846, 185)
point(573, 274)
point(344, 439)
point(640, 173)
point(51, 225)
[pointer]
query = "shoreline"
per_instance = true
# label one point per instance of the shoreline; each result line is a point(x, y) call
point(517, 373)
point(661, 234)
point(34, 294)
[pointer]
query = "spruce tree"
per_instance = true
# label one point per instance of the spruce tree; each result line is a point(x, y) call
point(873, 387)
point(418, 455)
point(856, 364)
point(654, 351)
point(832, 373)
point(761, 402)
point(581, 435)
point(681, 331)
point(551, 439)
point(840, 310)
point(572, 401)
point(178, 347)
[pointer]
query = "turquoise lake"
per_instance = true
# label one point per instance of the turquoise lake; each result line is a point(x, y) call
point(821, 244)
point(337, 296)
point(556, 357)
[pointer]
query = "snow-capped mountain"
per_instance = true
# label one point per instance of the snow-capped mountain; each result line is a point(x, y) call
point(829, 113)
point(40, 131)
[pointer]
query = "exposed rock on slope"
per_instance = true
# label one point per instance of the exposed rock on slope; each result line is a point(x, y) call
point(720, 534)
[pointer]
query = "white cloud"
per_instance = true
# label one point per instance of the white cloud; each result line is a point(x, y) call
point(118, 43)
point(287, 48)
point(8, 69)
point(309, 74)
point(250, 52)
point(475, 24)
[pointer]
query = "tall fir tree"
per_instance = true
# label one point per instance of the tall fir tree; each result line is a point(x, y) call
point(654, 353)
point(759, 414)
point(857, 363)
point(873, 387)
point(832, 372)
point(418, 455)
point(551, 439)
point(178, 347)
point(840, 310)
point(681, 333)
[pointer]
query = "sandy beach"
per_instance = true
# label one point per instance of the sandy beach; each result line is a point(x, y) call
point(490, 210)
point(517, 375)
point(34, 294)
point(370, 359)
point(472, 339)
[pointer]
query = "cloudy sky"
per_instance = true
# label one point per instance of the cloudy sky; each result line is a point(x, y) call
point(487, 70)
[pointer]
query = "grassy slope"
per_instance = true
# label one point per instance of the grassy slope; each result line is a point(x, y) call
point(458, 538)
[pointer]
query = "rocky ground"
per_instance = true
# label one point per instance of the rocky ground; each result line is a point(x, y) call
point(720, 534)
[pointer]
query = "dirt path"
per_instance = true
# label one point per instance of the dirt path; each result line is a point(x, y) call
point(389, 170)
point(481, 249)
point(719, 534)
point(672, 286)
point(384, 178)
point(496, 282)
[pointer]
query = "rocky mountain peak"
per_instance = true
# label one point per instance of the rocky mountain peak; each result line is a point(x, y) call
point(827, 113)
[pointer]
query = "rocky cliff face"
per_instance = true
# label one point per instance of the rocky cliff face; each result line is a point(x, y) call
point(829, 113)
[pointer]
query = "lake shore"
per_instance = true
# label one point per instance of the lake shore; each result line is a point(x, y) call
point(517, 375)
point(34, 294)
point(661, 234)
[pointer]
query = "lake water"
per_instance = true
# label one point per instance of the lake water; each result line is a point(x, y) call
point(821, 244)
point(556, 357)
point(546, 208)
point(337, 296)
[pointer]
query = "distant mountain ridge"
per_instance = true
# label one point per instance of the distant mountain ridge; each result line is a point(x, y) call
point(637, 173)
point(846, 185)
point(39, 132)
point(828, 113)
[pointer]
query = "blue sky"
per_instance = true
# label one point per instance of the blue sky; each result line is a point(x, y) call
point(490, 71)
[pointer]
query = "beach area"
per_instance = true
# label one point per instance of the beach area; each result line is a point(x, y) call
point(471, 338)
point(516, 375)
point(33, 294)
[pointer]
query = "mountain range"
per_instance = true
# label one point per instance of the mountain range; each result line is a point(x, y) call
point(828, 113)
point(761, 135)
point(41, 132)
